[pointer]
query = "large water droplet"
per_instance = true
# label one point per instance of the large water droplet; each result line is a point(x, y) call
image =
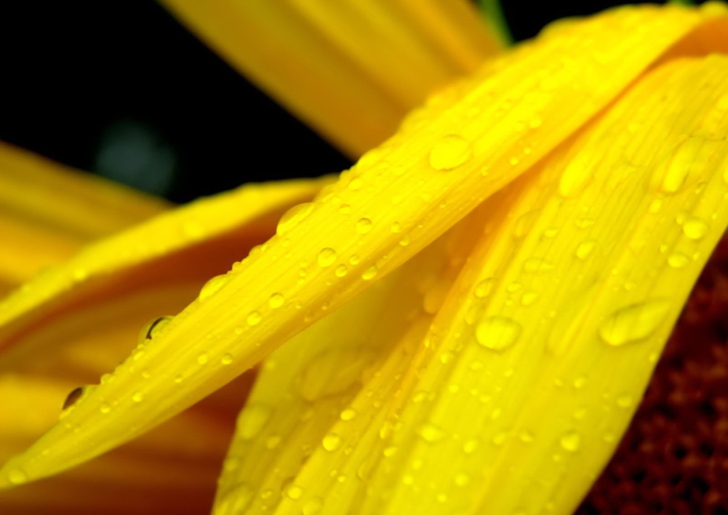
point(293, 217)
point(276, 300)
point(635, 322)
point(497, 333)
point(331, 442)
point(370, 273)
point(449, 153)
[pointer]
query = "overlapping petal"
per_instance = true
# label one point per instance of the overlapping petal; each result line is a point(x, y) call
point(469, 142)
point(335, 62)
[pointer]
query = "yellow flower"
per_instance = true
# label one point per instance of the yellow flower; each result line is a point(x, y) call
point(469, 314)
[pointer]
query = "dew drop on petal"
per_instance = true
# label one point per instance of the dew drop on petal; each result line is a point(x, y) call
point(155, 328)
point(695, 228)
point(17, 476)
point(363, 226)
point(449, 153)
point(634, 322)
point(73, 398)
point(571, 441)
point(331, 442)
point(254, 318)
point(293, 217)
point(484, 287)
point(295, 492)
point(678, 260)
point(370, 273)
point(497, 333)
point(213, 286)
point(326, 257)
point(276, 300)
point(431, 433)
point(585, 249)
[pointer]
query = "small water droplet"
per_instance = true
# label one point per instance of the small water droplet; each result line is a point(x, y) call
point(254, 318)
point(295, 492)
point(695, 228)
point(155, 328)
point(529, 298)
point(363, 226)
point(137, 397)
point(202, 358)
point(678, 260)
point(484, 288)
point(347, 414)
point(293, 217)
point(226, 359)
point(431, 433)
point(356, 184)
point(73, 397)
point(344, 209)
point(585, 249)
point(634, 322)
point(331, 442)
point(471, 446)
point(462, 479)
point(449, 153)
point(537, 265)
point(213, 286)
point(370, 273)
point(104, 408)
point(396, 227)
point(497, 333)
point(326, 257)
point(571, 441)
point(276, 300)
point(17, 476)
point(341, 271)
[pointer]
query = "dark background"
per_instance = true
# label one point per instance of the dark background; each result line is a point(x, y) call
point(119, 87)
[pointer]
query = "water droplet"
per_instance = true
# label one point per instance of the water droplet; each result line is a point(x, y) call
point(254, 318)
point(462, 479)
point(396, 227)
point(73, 398)
point(585, 249)
point(571, 441)
point(471, 446)
point(341, 271)
point(344, 209)
point(251, 420)
point(356, 184)
point(449, 153)
point(104, 408)
point(363, 226)
point(295, 492)
point(331, 442)
point(577, 175)
point(370, 273)
point(347, 414)
point(155, 328)
point(677, 168)
point(634, 322)
point(431, 433)
point(678, 260)
point(529, 298)
point(17, 476)
point(695, 228)
point(326, 257)
point(497, 333)
point(202, 359)
point(137, 397)
point(484, 288)
point(276, 300)
point(293, 217)
point(226, 359)
point(213, 286)
point(624, 401)
point(272, 442)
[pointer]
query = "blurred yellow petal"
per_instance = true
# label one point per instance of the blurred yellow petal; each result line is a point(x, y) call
point(48, 211)
point(469, 142)
point(350, 69)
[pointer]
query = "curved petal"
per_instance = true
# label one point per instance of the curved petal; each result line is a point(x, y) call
point(468, 143)
point(335, 62)
point(44, 212)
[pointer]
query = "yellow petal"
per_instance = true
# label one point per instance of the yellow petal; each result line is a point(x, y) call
point(334, 62)
point(35, 189)
point(44, 212)
point(585, 278)
point(468, 143)
point(305, 386)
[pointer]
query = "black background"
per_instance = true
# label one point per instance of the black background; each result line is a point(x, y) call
point(71, 70)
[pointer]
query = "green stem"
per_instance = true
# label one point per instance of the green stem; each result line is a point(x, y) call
point(494, 14)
